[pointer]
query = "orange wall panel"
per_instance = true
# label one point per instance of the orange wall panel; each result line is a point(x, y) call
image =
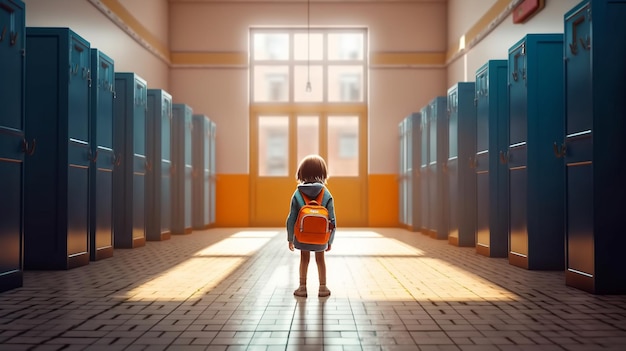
point(383, 200)
point(232, 200)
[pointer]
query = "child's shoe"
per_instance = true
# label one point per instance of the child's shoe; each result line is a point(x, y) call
point(323, 291)
point(300, 291)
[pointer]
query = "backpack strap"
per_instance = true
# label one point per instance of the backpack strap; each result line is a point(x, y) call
point(305, 199)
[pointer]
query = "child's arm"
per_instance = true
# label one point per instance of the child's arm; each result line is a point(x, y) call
point(330, 206)
point(291, 220)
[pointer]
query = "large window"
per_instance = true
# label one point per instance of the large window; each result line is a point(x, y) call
point(333, 61)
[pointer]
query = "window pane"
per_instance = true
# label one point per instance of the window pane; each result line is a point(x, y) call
point(345, 83)
point(345, 46)
point(273, 145)
point(271, 83)
point(308, 136)
point(270, 46)
point(317, 85)
point(343, 146)
point(315, 52)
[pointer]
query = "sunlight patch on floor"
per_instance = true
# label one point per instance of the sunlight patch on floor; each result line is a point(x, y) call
point(382, 268)
point(205, 270)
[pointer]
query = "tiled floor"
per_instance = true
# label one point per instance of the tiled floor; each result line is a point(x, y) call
point(231, 289)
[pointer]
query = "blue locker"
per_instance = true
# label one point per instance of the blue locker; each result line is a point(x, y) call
point(461, 175)
point(415, 151)
point(129, 140)
point(438, 157)
point(423, 172)
point(492, 141)
point(595, 86)
point(102, 157)
point(403, 191)
point(410, 166)
point(200, 177)
point(158, 177)
point(182, 165)
point(212, 172)
point(536, 188)
point(12, 143)
point(56, 187)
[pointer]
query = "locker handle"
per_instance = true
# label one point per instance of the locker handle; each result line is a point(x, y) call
point(573, 46)
point(504, 157)
point(93, 156)
point(29, 150)
point(516, 67)
point(586, 43)
point(14, 38)
point(4, 32)
point(559, 151)
point(117, 160)
point(473, 162)
point(148, 166)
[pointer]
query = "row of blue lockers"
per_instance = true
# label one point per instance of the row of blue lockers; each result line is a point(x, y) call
point(527, 162)
point(90, 159)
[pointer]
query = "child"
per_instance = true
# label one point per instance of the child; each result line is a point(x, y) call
point(312, 178)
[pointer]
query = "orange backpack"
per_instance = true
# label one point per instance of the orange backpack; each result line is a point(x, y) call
point(313, 224)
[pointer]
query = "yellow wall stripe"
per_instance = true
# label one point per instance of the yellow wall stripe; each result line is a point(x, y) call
point(408, 58)
point(209, 58)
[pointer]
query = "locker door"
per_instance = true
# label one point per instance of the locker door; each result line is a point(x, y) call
point(139, 159)
point(414, 195)
point(462, 150)
point(130, 167)
point(425, 160)
point(402, 217)
point(188, 127)
point(12, 143)
point(78, 147)
point(491, 176)
point(212, 171)
point(166, 165)
point(453, 164)
point(407, 171)
point(199, 154)
point(206, 213)
point(481, 159)
point(437, 173)
point(101, 188)
point(182, 165)
point(579, 140)
point(433, 176)
point(517, 151)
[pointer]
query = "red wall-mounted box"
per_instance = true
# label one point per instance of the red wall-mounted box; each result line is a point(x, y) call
point(526, 10)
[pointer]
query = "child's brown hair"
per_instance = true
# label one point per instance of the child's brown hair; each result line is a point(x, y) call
point(312, 169)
